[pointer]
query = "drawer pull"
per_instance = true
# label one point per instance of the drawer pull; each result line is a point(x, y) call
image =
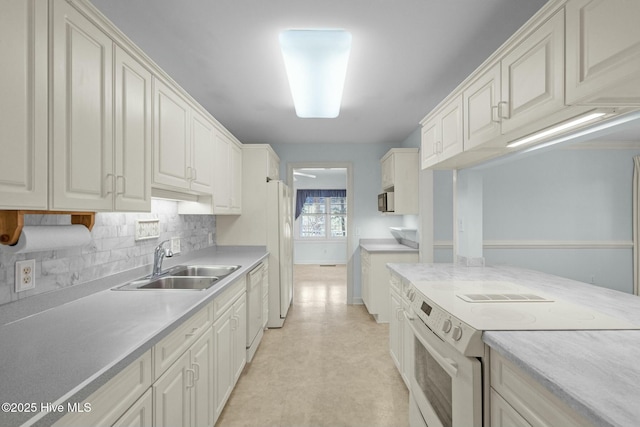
point(192, 333)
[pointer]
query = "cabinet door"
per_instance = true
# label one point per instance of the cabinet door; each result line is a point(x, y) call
point(172, 139)
point(82, 145)
point(480, 118)
point(171, 395)
point(223, 367)
point(365, 265)
point(395, 330)
point(603, 52)
point(23, 104)
point(202, 157)
point(429, 144)
point(236, 178)
point(503, 414)
point(140, 414)
point(450, 119)
point(533, 76)
point(222, 174)
point(239, 336)
point(407, 346)
point(388, 171)
point(133, 134)
point(202, 357)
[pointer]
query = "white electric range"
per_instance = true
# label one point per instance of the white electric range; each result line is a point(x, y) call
point(448, 319)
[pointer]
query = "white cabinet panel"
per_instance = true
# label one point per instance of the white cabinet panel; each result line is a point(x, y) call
point(400, 175)
point(533, 76)
point(132, 134)
point(140, 414)
point(223, 368)
point(23, 104)
point(442, 134)
point(82, 146)
point(203, 140)
point(503, 414)
point(172, 137)
point(171, 395)
point(603, 52)
point(481, 98)
point(202, 358)
point(227, 187)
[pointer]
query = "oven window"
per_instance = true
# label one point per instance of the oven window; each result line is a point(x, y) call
point(434, 382)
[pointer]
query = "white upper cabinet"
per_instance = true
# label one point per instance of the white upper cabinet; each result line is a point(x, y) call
point(400, 175)
point(481, 99)
point(202, 153)
point(132, 87)
point(172, 138)
point(82, 146)
point(442, 135)
point(533, 76)
point(603, 52)
point(23, 107)
point(227, 189)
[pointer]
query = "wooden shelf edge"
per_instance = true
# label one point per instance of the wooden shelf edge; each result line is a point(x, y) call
point(11, 222)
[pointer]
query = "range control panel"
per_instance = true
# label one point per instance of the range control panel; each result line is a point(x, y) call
point(450, 329)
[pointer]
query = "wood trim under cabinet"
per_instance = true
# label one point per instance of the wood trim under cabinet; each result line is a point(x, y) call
point(11, 222)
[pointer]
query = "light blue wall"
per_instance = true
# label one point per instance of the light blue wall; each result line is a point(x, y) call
point(567, 195)
point(365, 160)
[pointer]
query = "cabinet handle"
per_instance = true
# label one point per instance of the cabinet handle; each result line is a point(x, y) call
point(399, 314)
point(194, 174)
point(110, 183)
point(196, 371)
point(191, 383)
point(124, 184)
point(189, 173)
point(500, 115)
point(192, 333)
point(495, 114)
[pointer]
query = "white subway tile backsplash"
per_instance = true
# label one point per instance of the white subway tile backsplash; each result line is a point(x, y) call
point(113, 248)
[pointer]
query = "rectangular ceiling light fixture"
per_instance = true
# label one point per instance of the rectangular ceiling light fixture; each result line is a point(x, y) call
point(316, 64)
point(556, 129)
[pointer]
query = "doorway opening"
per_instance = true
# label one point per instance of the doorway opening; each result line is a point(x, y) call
point(322, 205)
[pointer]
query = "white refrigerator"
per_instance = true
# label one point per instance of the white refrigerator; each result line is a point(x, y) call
point(280, 247)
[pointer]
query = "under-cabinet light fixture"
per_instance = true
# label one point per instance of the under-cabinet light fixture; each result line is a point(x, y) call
point(316, 64)
point(557, 129)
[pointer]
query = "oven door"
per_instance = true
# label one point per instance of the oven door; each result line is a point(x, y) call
point(446, 386)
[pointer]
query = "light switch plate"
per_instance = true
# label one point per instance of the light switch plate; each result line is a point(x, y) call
point(25, 275)
point(175, 245)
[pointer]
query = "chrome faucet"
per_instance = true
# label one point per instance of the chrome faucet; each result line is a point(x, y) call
point(158, 255)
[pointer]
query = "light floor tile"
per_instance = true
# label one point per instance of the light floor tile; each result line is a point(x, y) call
point(328, 366)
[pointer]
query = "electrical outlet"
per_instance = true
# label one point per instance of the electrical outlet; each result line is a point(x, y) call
point(25, 275)
point(175, 245)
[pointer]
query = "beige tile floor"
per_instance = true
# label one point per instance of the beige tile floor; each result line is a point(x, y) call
point(328, 366)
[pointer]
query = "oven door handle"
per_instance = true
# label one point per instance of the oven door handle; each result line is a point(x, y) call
point(448, 364)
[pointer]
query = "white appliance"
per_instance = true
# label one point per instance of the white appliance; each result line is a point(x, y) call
point(254, 313)
point(280, 247)
point(448, 319)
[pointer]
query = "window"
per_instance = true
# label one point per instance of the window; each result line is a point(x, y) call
point(323, 218)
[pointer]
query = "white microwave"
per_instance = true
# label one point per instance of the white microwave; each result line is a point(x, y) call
point(385, 202)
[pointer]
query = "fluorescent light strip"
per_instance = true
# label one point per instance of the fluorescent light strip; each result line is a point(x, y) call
point(316, 64)
point(556, 129)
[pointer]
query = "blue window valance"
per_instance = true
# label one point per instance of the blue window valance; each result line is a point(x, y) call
point(302, 195)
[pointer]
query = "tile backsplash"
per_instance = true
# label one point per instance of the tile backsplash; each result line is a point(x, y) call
point(113, 248)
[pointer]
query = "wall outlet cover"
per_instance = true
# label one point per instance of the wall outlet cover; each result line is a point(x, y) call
point(175, 245)
point(147, 229)
point(25, 275)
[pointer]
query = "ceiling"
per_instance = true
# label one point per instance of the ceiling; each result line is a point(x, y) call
point(407, 55)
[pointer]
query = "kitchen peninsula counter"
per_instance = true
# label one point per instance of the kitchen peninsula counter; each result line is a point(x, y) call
point(62, 351)
point(596, 373)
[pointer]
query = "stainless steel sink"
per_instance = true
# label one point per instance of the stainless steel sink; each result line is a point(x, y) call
point(193, 283)
point(182, 277)
point(204, 270)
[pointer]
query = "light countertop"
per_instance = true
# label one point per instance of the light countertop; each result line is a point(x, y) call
point(63, 352)
point(384, 245)
point(595, 372)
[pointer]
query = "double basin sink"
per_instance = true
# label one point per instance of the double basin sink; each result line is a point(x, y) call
point(183, 277)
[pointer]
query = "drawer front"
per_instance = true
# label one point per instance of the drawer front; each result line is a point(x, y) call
point(113, 399)
point(173, 345)
point(396, 283)
point(529, 398)
point(503, 414)
point(226, 299)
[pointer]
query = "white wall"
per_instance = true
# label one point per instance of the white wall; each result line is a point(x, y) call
point(367, 221)
point(572, 202)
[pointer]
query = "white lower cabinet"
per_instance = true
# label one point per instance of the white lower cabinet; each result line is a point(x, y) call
point(140, 414)
point(230, 336)
point(519, 400)
point(182, 395)
point(375, 280)
point(400, 333)
point(116, 398)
